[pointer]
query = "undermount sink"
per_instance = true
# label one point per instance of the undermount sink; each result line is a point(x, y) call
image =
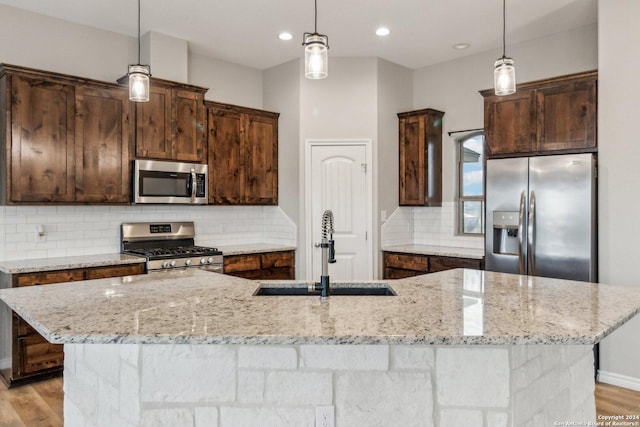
point(337, 289)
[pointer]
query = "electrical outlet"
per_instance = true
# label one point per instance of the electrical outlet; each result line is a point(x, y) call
point(325, 416)
point(41, 236)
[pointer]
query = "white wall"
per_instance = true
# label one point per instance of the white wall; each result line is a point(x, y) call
point(395, 95)
point(282, 94)
point(37, 41)
point(453, 86)
point(167, 56)
point(227, 82)
point(342, 106)
point(618, 157)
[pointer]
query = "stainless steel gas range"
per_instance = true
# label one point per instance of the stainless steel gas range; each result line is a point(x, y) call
point(168, 245)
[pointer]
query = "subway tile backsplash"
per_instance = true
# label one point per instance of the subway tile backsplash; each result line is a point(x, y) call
point(426, 226)
point(88, 230)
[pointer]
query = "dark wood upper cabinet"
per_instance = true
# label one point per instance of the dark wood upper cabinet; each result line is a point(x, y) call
point(104, 137)
point(542, 117)
point(510, 123)
point(420, 146)
point(40, 127)
point(243, 155)
point(171, 126)
point(64, 139)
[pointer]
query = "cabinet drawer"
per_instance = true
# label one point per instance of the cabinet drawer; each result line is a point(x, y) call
point(48, 277)
point(115, 271)
point(277, 259)
point(398, 273)
point(406, 262)
point(37, 354)
point(241, 263)
point(437, 263)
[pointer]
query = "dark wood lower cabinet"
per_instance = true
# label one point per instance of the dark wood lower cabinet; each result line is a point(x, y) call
point(264, 266)
point(401, 265)
point(33, 358)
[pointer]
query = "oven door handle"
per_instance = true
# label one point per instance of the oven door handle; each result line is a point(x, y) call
point(192, 185)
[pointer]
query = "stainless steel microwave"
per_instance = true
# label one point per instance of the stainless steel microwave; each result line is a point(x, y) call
point(170, 182)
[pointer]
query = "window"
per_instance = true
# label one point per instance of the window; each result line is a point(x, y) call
point(471, 184)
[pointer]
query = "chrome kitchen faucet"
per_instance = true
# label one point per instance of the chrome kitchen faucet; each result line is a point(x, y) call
point(328, 254)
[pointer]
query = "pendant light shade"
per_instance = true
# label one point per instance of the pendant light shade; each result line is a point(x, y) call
point(139, 75)
point(316, 47)
point(504, 73)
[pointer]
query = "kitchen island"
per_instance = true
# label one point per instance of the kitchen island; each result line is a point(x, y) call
point(195, 348)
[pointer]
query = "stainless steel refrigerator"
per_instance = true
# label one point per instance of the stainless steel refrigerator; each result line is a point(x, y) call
point(541, 216)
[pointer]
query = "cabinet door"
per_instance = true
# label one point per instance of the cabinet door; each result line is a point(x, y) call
point(261, 160)
point(226, 182)
point(567, 116)
point(42, 140)
point(104, 134)
point(412, 161)
point(154, 138)
point(189, 115)
point(509, 123)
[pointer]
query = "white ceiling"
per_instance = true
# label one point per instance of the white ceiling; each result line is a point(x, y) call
point(245, 31)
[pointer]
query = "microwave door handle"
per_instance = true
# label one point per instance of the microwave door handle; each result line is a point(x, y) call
point(193, 186)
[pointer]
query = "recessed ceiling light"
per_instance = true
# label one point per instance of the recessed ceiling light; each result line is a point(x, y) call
point(285, 36)
point(383, 31)
point(461, 46)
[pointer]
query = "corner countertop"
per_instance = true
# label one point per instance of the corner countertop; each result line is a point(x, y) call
point(448, 251)
point(253, 248)
point(457, 307)
point(66, 263)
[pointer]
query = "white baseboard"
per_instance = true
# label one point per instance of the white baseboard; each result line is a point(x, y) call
point(5, 363)
point(619, 380)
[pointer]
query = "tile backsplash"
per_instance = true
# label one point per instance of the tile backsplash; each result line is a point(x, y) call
point(88, 230)
point(426, 226)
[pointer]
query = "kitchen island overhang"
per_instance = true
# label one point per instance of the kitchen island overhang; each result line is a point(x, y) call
point(488, 348)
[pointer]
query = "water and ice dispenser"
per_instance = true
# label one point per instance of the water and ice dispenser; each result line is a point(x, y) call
point(505, 232)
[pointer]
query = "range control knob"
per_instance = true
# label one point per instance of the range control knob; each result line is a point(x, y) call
point(210, 260)
point(173, 263)
point(203, 261)
point(165, 264)
point(187, 262)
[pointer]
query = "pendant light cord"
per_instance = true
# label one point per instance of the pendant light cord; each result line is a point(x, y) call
point(315, 24)
point(504, 27)
point(138, 31)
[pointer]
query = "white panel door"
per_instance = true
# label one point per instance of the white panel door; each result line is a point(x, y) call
point(338, 182)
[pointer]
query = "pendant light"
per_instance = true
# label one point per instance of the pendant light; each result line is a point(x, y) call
point(316, 61)
point(139, 75)
point(504, 74)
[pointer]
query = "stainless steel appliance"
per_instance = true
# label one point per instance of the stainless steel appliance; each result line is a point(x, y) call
point(170, 182)
point(168, 245)
point(541, 216)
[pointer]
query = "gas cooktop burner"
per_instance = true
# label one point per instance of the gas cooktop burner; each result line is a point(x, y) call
point(176, 252)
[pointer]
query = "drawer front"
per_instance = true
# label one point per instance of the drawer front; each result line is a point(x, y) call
point(24, 328)
point(398, 273)
point(437, 263)
point(241, 263)
point(115, 271)
point(406, 261)
point(48, 277)
point(277, 259)
point(38, 354)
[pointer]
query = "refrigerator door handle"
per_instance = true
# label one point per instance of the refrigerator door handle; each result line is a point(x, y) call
point(521, 247)
point(530, 233)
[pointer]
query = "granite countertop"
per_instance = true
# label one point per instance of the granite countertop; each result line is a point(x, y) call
point(253, 248)
point(65, 263)
point(460, 307)
point(449, 251)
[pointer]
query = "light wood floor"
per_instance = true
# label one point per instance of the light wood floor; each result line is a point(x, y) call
point(40, 404)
